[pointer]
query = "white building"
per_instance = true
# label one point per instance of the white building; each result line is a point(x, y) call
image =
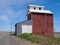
point(23, 27)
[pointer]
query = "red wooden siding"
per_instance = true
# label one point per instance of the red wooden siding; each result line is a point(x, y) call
point(42, 23)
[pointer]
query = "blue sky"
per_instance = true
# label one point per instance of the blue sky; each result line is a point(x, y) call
point(13, 11)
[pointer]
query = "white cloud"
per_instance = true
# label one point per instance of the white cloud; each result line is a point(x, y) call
point(8, 7)
point(4, 18)
point(11, 9)
point(6, 12)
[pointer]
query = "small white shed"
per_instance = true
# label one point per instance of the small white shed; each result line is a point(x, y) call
point(23, 27)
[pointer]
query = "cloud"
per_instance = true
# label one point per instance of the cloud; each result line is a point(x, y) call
point(20, 4)
point(14, 8)
point(7, 12)
point(4, 18)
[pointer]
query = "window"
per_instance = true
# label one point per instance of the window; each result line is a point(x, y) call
point(34, 8)
point(29, 7)
point(39, 8)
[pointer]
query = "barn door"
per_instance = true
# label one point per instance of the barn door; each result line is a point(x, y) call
point(26, 29)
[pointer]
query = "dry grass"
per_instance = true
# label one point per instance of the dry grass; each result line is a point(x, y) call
point(57, 34)
point(40, 39)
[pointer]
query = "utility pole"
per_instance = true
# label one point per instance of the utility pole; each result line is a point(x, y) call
point(1, 27)
point(11, 27)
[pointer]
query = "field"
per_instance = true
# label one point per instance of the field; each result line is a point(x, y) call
point(40, 39)
point(57, 34)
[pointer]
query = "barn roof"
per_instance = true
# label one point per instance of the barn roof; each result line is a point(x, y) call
point(40, 11)
point(27, 22)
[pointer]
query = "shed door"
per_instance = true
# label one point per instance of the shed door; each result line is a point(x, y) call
point(26, 28)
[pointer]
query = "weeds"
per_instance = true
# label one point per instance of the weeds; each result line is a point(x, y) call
point(39, 39)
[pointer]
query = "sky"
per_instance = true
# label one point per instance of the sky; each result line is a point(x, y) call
point(14, 11)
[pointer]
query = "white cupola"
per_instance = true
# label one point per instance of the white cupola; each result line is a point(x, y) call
point(34, 7)
point(38, 9)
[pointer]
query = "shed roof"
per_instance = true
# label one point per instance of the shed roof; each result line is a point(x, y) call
point(27, 22)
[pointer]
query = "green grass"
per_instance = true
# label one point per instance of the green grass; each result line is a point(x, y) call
point(44, 40)
point(30, 37)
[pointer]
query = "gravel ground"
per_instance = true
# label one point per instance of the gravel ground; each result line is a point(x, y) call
point(7, 39)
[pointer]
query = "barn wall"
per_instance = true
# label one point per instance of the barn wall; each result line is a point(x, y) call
point(42, 24)
point(19, 29)
point(29, 17)
point(50, 27)
point(38, 23)
point(16, 29)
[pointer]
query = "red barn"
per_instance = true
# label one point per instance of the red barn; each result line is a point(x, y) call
point(42, 20)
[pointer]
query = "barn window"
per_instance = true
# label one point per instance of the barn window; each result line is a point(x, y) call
point(39, 8)
point(34, 8)
point(29, 7)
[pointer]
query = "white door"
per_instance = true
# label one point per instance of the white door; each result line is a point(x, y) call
point(26, 28)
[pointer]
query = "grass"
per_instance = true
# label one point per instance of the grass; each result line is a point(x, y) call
point(40, 39)
point(30, 37)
